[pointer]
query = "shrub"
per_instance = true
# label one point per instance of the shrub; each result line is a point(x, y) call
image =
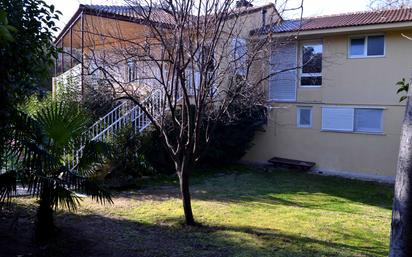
point(98, 101)
point(127, 164)
point(230, 140)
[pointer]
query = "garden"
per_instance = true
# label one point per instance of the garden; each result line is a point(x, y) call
point(242, 211)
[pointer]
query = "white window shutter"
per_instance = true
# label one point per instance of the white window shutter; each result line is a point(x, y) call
point(282, 86)
point(337, 118)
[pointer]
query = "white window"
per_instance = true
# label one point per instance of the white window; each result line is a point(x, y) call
point(304, 117)
point(193, 80)
point(367, 46)
point(369, 120)
point(131, 71)
point(311, 74)
point(366, 120)
point(239, 55)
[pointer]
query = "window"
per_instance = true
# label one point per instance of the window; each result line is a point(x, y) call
point(239, 55)
point(193, 80)
point(369, 120)
point(367, 46)
point(131, 71)
point(363, 120)
point(311, 65)
point(304, 117)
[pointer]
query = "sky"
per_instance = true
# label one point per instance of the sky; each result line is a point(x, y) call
point(310, 7)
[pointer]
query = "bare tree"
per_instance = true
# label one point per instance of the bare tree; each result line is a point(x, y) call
point(197, 56)
point(388, 4)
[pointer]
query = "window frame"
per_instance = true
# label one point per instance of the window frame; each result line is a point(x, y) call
point(298, 113)
point(365, 47)
point(305, 75)
point(354, 131)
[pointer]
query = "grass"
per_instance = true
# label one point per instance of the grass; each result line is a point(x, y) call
point(243, 212)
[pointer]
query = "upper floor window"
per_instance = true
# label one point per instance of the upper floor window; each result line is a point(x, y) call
point(239, 55)
point(367, 46)
point(311, 74)
point(131, 71)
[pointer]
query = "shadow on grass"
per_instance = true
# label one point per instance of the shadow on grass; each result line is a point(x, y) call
point(293, 188)
point(94, 235)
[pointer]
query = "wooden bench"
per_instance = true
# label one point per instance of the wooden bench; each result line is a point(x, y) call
point(289, 163)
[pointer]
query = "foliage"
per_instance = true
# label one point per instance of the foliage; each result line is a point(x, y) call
point(403, 87)
point(231, 137)
point(127, 164)
point(26, 57)
point(98, 101)
point(40, 145)
point(6, 30)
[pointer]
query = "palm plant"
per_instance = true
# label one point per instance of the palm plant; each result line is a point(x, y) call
point(37, 157)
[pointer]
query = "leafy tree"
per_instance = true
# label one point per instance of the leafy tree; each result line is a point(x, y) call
point(26, 53)
point(33, 147)
point(39, 150)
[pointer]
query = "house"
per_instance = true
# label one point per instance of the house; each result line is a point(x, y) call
point(339, 108)
point(97, 33)
point(331, 88)
point(130, 49)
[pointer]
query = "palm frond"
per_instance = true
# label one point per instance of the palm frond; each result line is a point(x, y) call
point(63, 197)
point(7, 185)
point(62, 123)
point(94, 153)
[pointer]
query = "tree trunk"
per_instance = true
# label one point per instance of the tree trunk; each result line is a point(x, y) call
point(401, 230)
point(185, 194)
point(44, 223)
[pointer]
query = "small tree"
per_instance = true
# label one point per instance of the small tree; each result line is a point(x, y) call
point(197, 55)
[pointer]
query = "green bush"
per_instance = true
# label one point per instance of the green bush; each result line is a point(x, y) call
point(127, 164)
point(230, 140)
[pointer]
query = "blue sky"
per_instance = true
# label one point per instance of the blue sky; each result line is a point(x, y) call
point(311, 7)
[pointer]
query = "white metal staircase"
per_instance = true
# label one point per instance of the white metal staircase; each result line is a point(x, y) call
point(109, 125)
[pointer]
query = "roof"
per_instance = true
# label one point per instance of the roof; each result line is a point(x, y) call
point(131, 13)
point(340, 21)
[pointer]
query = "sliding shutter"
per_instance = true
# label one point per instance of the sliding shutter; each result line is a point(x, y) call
point(337, 118)
point(282, 86)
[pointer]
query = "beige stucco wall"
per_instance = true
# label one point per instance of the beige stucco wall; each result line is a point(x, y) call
point(350, 82)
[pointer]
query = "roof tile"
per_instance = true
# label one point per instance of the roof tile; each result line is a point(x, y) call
point(342, 20)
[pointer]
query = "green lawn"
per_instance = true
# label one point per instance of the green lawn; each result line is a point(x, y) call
point(243, 213)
